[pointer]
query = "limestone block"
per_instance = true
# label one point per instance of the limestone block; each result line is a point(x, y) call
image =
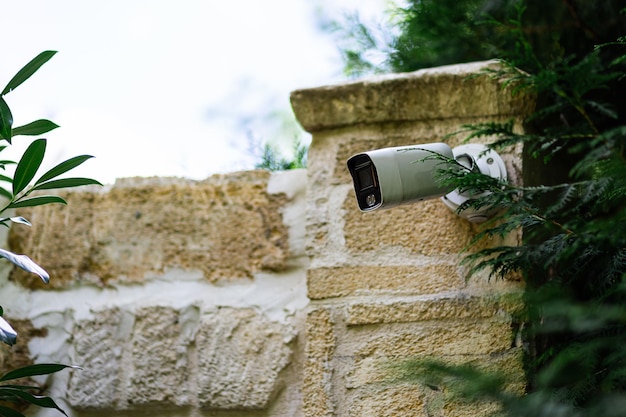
point(435, 308)
point(401, 400)
point(240, 358)
point(227, 226)
point(427, 228)
point(327, 282)
point(433, 94)
point(377, 350)
point(318, 370)
point(159, 356)
point(99, 345)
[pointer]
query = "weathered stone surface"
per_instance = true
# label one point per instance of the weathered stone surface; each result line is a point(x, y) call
point(328, 282)
point(240, 357)
point(437, 308)
point(400, 400)
point(318, 370)
point(427, 228)
point(227, 226)
point(99, 348)
point(434, 94)
point(159, 356)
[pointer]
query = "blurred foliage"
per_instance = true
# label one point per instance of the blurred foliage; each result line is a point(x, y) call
point(273, 160)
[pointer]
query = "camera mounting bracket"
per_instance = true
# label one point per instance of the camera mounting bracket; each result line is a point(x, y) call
point(486, 161)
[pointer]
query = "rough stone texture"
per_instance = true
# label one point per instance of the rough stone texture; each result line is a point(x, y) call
point(240, 357)
point(428, 94)
point(99, 347)
point(328, 282)
point(434, 309)
point(227, 359)
point(159, 356)
point(228, 226)
point(318, 370)
point(430, 229)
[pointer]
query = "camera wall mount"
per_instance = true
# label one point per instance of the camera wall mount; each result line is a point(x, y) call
point(481, 159)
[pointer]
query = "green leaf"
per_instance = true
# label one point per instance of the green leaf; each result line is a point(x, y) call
point(37, 400)
point(37, 201)
point(34, 370)
point(28, 165)
point(63, 167)
point(6, 120)
point(28, 70)
point(9, 412)
point(38, 127)
point(66, 183)
point(6, 193)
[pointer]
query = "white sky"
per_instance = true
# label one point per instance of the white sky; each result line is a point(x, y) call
point(155, 87)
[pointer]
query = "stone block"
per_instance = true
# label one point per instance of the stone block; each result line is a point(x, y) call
point(437, 308)
point(328, 282)
point(428, 228)
point(159, 374)
point(227, 226)
point(240, 357)
point(99, 346)
point(401, 400)
point(428, 94)
point(318, 369)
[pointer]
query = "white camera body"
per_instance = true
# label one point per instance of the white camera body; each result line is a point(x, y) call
point(388, 177)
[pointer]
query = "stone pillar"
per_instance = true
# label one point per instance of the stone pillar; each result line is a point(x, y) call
point(388, 286)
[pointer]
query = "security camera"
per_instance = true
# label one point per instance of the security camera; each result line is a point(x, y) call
point(388, 177)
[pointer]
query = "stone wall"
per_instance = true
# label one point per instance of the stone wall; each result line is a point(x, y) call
point(242, 295)
point(176, 297)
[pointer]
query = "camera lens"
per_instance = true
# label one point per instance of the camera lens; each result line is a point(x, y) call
point(365, 176)
point(370, 200)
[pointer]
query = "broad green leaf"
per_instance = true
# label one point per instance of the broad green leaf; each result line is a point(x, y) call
point(7, 334)
point(34, 370)
point(63, 167)
point(37, 400)
point(28, 70)
point(26, 264)
point(6, 120)
point(9, 412)
point(38, 127)
point(37, 201)
point(66, 183)
point(28, 165)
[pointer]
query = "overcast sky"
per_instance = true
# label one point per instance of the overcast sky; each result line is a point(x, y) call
point(161, 87)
